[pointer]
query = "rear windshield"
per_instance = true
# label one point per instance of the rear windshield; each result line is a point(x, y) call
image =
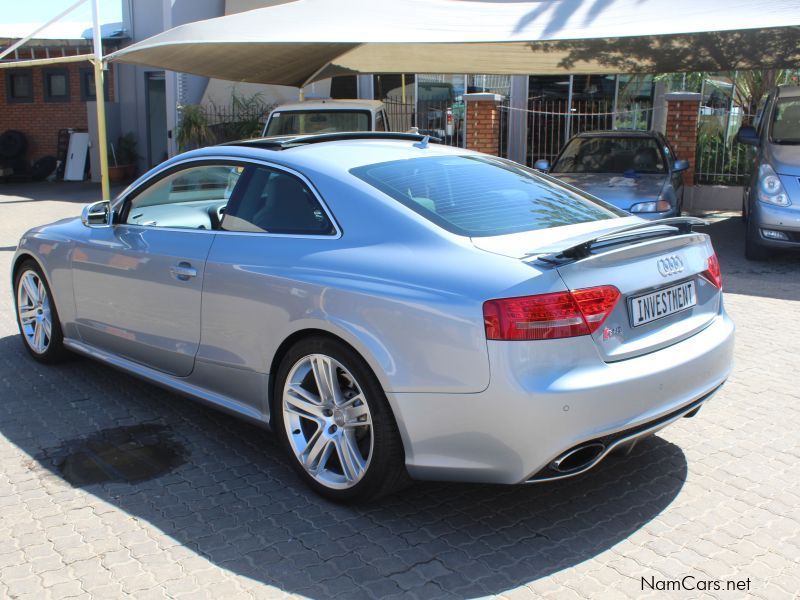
point(480, 196)
point(611, 155)
point(317, 121)
point(786, 122)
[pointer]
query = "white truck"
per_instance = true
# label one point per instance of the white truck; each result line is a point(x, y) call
point(326, 116)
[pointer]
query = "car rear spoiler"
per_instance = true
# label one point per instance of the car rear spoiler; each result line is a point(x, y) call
point(580, 247)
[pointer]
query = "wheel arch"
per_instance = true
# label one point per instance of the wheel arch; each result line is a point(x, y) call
point(310, 332)
point(18, 260)
point(21, 258)
point(356, 346)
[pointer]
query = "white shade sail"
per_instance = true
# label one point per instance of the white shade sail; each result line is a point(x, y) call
point(302, 41)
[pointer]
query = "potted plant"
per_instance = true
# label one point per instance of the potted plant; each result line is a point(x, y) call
point(122, 158)
point(116, 172)
point(193, 131)
point(126, 153)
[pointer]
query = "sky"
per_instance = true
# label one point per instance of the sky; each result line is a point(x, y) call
point(20, 17)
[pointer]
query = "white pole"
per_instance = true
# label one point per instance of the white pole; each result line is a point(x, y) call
point(100, 100)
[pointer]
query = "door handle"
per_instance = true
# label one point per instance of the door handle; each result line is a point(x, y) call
point(183, 271)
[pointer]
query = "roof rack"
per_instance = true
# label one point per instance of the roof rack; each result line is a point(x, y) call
point(290, 141)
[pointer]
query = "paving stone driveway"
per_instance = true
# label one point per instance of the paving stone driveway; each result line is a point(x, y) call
point(716, 497)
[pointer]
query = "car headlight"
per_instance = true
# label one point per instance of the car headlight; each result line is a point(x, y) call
point(770, 188)
point(647, 207)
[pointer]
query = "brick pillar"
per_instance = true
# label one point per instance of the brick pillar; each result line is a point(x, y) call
point(483, 122)
point(682, 113)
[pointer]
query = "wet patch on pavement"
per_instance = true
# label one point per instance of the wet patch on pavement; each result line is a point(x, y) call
point(118, 455)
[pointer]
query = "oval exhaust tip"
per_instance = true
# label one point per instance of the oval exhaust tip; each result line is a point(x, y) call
point(577, 458)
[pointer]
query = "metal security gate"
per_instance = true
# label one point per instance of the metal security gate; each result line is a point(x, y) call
point(720, 159)
point(552, 122)
point(437, 118)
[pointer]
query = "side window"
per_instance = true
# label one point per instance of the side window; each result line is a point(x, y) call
point(192, 198)
point(273, 201)
point(380, 122)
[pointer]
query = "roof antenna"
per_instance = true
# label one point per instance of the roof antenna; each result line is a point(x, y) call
point(423, 143)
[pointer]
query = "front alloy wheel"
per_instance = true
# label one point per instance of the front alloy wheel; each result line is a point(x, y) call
point(34, 312)
point(37, 316)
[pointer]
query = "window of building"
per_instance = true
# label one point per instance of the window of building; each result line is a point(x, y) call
point(88, 91)
point(344, 86)
point(56, 85)
point(19, 85)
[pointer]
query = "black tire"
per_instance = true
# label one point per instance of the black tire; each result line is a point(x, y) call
point(753, 249)
point(13, 144)
point(43, 167)
point(386, 472)
point(56, 351)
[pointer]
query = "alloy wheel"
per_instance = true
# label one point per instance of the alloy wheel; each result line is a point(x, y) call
point(34, 312)
point(328, 421)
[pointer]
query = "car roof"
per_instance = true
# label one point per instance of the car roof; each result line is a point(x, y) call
point(329, 104)
point(788, 91)
point(334, 155)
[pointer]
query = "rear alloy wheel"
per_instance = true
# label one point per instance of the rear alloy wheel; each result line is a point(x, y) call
point(335, 421)
point(36, 315)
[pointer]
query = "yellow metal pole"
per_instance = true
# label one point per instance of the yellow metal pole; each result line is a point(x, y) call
point(403, 86)
point(102, 141)
point(100, 97)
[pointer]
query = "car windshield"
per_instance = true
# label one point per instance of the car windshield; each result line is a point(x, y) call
point(786, 122)
point(611, 154)
point(317, 121)
point(480, 196)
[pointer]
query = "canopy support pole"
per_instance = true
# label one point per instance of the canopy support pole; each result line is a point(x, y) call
point(100, 96)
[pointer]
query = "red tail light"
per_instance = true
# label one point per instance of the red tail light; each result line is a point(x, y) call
point(549, 316)
point(713, 272)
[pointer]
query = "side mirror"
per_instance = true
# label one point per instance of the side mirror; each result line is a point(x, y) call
point(542, 165)
point(680, 165)
point(97, 214)
point(747, 135)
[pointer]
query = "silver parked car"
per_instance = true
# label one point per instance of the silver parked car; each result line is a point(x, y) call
point(771, 206)
point(388, 306)
point(636, 171)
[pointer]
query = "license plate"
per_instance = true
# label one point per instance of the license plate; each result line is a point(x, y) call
point(662, 303)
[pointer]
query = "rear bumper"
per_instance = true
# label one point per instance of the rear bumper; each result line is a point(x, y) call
point(548, 397)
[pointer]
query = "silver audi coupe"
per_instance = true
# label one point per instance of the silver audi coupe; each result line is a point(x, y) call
point(392, 308)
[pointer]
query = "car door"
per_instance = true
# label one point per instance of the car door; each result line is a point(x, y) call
point(138, 283)
point(258, 279)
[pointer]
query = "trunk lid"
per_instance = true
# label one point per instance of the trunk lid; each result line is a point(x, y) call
point(654, 275)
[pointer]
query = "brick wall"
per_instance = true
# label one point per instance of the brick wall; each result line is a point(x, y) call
point(483, 122)
point(681, 131)
point(40, 120)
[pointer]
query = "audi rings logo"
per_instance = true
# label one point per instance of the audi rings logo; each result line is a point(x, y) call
point(670, 265)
